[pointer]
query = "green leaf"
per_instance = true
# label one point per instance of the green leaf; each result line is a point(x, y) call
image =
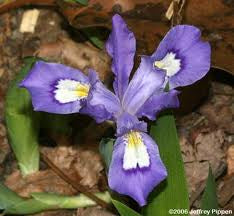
point(22, 123)
point(83, 2)
point(69, 202)
point(12, 203)
point(8, 197)
point(171, 193)
point(106, 148)
point(96, 35)
point(209, 199)
point(28, 206)
point(123, 209)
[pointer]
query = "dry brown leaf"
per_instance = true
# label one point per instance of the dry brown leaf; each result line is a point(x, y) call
point(89, 166)
point(230, 160)
point(219, 110)
point(41, 181)
point(187, 150)
point(206, 149)
point(209, 146)
point(59, 212)
point(77, 55)
point(83, 166)
point(4, 146)
point(93, 211)
point(225, 190)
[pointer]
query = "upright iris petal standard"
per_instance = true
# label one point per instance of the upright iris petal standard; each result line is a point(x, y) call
point(121, 46)
point(183, 56)
point(56, 88)
point(144, 83)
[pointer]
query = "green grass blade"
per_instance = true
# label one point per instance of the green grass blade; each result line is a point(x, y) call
point(106, 148)
point(172, 193)
point(123, 209)
point(22, 123)
point(97, 36)
point(209, 199)
point(83, 2)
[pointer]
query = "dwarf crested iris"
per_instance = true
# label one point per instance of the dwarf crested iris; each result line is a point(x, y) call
point(181, 59)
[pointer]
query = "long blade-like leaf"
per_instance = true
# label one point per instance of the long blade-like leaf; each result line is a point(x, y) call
point(123, 209)
point(12, 203)
point(8, 197)
point(172, 193)
point(106, 148)
point(22, 123)
point(209, 198)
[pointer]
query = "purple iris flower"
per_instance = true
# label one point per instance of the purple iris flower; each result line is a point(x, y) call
point(136, 167)
point(183, 56)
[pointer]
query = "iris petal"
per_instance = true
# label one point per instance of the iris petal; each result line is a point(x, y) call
point(137, 182)
point(121, 46)
point(144, 83)
point(126, 122)
point(102, 104)
point(56, 88)
point(158, 102)
point(183, 55)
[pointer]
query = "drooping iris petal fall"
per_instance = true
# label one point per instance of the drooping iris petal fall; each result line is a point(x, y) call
point(136, 167)
point(121, 46)
point(56, 88)
point(102, 104)
point(183, 56)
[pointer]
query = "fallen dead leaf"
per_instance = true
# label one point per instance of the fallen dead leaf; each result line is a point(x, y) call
point(83, 166)
point(204, 148)
point(225, 190)
point(93, 211)
point(77, 55)
point(41, 181)
point(59, 212)
point(220, 112)
point(230, 160)
point(4, 146)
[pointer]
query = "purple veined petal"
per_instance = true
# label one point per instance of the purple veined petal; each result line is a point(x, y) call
point(144, 83)
point(121, 46)
point(158, 102)
point(102, 104)
point(56, 88)
point(183, 56)
point(136, 167)
point(126, 122)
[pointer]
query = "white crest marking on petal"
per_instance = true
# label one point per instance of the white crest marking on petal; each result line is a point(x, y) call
point(169, 63)
point(70, 90)
point(135, 154)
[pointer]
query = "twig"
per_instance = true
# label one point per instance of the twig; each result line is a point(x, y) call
point(20, 3)
point(77, 187)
